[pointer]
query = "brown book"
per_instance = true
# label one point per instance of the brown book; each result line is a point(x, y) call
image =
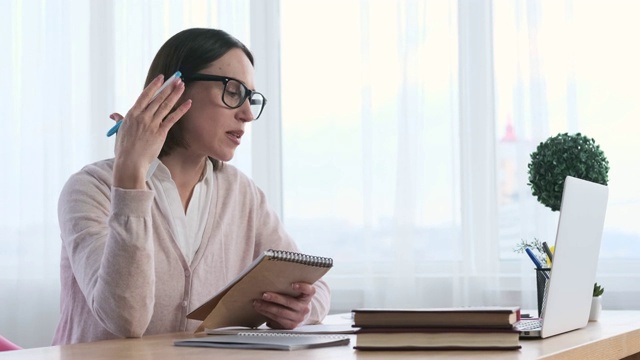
point(437, 339)
point(480, 317)
point(273, 270)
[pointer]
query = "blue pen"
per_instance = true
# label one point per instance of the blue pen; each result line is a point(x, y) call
point(535, 261)
point(169, 81)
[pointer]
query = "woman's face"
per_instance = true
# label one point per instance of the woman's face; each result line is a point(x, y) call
point(210, 127)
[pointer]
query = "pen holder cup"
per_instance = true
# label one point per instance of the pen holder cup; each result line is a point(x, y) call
point(542, 286)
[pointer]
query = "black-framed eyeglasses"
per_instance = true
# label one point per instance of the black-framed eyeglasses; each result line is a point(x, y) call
point(235, 93)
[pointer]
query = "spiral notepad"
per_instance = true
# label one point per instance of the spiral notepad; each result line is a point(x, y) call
point(274, 271)
point(271, 341)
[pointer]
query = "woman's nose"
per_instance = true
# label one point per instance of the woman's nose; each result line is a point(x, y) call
point(244, 113)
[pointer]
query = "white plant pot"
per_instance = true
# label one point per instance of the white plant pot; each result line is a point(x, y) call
point(596, 308)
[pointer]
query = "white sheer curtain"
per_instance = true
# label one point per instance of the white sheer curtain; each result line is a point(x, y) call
point(371, 148)
point(67, 65)
point(407, 129)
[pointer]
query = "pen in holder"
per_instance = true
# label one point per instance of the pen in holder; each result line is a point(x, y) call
point(542, 284)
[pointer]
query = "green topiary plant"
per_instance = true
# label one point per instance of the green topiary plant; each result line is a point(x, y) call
point(558, 157)
point(561, 156)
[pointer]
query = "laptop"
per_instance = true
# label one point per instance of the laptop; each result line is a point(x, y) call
point(575, 260)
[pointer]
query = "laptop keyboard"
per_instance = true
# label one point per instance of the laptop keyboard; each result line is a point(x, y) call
point(532, 324)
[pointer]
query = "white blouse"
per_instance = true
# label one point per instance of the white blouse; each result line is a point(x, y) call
point(187, 228)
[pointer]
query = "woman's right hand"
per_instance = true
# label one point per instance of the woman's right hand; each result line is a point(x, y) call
point(143, 132)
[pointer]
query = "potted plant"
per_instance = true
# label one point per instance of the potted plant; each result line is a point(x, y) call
point(596, 302)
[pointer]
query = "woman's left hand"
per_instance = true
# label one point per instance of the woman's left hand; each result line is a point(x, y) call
point(284, 311)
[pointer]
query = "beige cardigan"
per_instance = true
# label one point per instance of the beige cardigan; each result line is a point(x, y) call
point(123, 275)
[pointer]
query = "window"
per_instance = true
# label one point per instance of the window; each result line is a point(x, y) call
point(383, 122)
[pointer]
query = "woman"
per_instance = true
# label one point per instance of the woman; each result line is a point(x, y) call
point(153, 233)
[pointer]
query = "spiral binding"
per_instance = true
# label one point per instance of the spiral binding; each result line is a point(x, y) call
point(289, 256)
point(287, 334)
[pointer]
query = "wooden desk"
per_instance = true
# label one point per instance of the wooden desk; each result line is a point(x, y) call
point(615, 336)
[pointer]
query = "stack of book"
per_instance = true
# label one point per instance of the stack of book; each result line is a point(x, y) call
point(463, 328)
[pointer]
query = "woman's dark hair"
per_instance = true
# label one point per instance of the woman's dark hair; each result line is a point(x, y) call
point(190, 51)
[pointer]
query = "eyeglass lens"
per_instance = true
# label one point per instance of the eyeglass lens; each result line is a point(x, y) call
point(235, 94)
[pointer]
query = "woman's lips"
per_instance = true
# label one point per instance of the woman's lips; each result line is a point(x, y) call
point(235, 136)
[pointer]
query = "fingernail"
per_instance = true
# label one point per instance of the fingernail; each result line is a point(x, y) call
point(266, 296)
point(112, 117)
point(295, 286)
